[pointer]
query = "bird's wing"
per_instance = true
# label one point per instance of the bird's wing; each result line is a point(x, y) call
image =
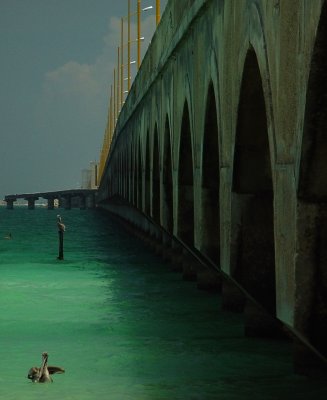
point(55, 370)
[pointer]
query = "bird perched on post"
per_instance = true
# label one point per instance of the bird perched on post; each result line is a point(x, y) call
point(61, 226)
point(42, 374)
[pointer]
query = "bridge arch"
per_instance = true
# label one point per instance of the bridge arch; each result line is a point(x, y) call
point(130, 172)
point(210, 241)
point(134, 172)
point(147, 174)
point(185, 225)
point(311, 261)
point(253, 253)
point(156, 206)
point(139, 176)
point(121, 174)
point(167, 180)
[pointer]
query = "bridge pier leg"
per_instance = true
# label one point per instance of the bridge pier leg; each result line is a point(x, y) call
point(177, 257)
point(68, 202)
point(189, 267)
point(258, 323)
point(10, 204)
point(51, 203)
point(82, 203)
point(306, 362)
point(167, 251)
point(232, 298)
point(209, 280)
point(90, 201)
point(31, 203)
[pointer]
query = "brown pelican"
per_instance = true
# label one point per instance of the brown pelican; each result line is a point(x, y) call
point(42, 374)
point(61, 226)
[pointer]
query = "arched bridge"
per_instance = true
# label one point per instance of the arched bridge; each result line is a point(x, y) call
point(222, 142)
point(84, 197)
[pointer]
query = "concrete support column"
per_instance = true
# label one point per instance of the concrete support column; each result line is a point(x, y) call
point(68, 202)
point(258, 323)
point(225, 201)
point(10, 204)
point(31, 202)
point(209, 280)
point(177, 256)
point(190, 267)
point(285, 201)
point(167, 251)
point(90, 201)
point(197, 208)
point(82, 203)
point(232, 297)
point(50, 203)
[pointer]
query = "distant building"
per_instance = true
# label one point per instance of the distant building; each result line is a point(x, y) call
point(94, 174)
point(90, 176)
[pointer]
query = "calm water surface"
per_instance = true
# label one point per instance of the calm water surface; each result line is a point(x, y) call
point(120, 322)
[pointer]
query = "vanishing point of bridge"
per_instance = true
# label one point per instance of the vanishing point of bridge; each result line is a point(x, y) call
point(221, 146)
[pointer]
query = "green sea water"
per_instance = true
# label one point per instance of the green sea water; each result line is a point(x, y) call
point(121, 323)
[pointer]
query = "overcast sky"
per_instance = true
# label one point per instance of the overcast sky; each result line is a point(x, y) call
point(57, 61)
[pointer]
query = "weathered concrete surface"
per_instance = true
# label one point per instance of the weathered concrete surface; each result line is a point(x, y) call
point(222, 141)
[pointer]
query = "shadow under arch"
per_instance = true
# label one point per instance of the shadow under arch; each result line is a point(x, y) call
point(253, 250)
point(129, 188)
point(167, 182)
point(156, 178)
point(147, 175)
point(311, 261)
point(134, 174)
point(210, 241)
point(185, 216)
point(139, 178)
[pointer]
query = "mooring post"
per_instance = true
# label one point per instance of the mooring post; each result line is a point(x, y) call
point(61, 230)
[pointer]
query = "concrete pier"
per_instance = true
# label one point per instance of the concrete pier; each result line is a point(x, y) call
point(64, 197)
point(31, 202)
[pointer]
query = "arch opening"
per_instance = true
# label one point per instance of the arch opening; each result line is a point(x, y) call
point(134, 175)
point(253, 250)
point(130, 174)
point(139, 178)
point(167, 182)
point(156, 178)
point(147, 176)
point(210, 241)
point(185, 182)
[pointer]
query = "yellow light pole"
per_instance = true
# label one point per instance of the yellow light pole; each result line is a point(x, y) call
point(129, 47)
point(139, 26)
point(118, 76)
point(122, 64)
point(157, 12)
point(115, 112)
point(111, 115)
point(138, 33)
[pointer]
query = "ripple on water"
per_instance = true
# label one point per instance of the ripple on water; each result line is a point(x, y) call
point(123, 326)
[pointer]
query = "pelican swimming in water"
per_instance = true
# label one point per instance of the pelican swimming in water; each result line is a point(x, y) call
point(42, 374)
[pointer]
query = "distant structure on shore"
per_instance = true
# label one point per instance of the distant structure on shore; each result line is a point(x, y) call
point(90, 176)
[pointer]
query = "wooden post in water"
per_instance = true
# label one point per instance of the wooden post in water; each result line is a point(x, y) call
point(61, 230)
